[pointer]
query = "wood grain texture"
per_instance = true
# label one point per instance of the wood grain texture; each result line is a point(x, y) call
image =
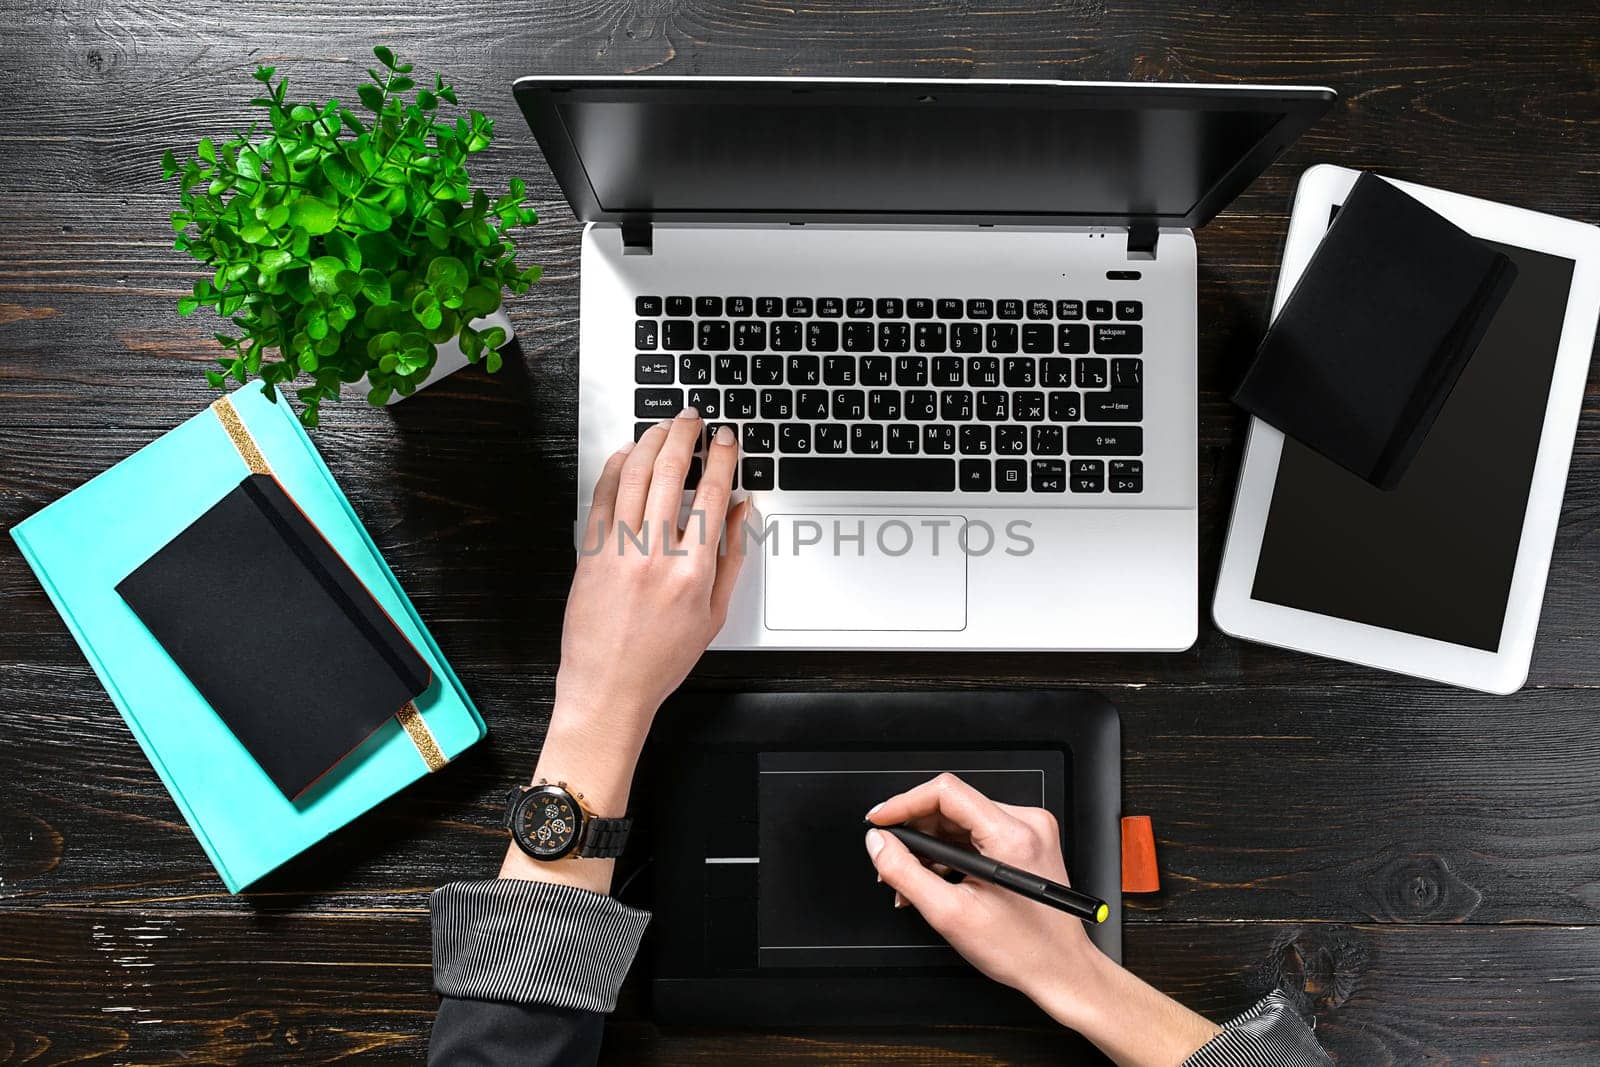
point(1419, 865)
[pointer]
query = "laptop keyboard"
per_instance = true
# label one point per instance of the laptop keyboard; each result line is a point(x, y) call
point(886, 394)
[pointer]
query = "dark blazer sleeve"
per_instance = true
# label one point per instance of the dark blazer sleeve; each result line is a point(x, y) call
point(1271, 1034)
point(527, 971)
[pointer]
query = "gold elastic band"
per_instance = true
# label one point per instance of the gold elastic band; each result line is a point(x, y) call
point(410, 718)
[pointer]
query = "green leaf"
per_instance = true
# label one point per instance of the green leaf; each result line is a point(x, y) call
point(340, 176)
point(301, 113)
point(274, 260)
point(369, 215)
point(385, 56)
point(206, 150)
point(264, 74)
point(169, 165)
point(215, 378)
point(425, 306)
point(349, 118)
point(427, 101)
point(371, 97)
point(401, 84)
point(308, 360)
point(276, 216)
point(379, 396)
point(375, 287)
point(316, 216)
point(316, 324)
point(253, 233)
point(494, 337)
point(447, 272)
point(344, 246)
point(325, 273)
point(492, 360)
point(187, 305)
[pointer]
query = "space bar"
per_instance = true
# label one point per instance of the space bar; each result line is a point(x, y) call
point(867, 474)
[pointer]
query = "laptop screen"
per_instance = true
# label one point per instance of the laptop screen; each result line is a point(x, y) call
point(700, 149)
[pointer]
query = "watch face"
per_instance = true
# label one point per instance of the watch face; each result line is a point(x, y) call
point(548, 822)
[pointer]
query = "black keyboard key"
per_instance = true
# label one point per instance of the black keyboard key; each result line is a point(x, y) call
point(955, 405)
point(1008, 309)
point(647, 305)
point(830, 438)
point(1011, 475)
point(1130, 310)
point(1011, 440)
point(1114, 405)
point(822, 337)
point(750, 336)
point(876, 370)
point(694, 369)
point(708, 307)
point(902, 439)
point(939, 439)
point(644, 335)
point(1072, 339)
point(983, 371)
point(1019, 372)
point(919, 307)
point(883, 405)
point(830, 307)
point(1099, 309)
point(731, 369)
point(974, 476)
point(794, 439)
point(921, 405)
point(890, 307)
point(657, 403)
point(738, 403)
point(859, 307)
point(759, 437)
point(769, 307)
point(930, 337)
point(894, 336)
point(714, 335)
point(858, 336)
point(866, 438)
point(652, 370)
point(993, 405)
point(849, 404)
point(1105, 440)
point(910, 370)
point(1065, 407)
point(1069, 309)
point(1049, 476)
point(1027, 406)
point(949, 308)
point(680, 306)
point(1002, 337)
point(1047, 441)
point(1055, 373)
point(756, 474)
point(811, 403)
point(1088, 476)
point(766, 370)
point(677, 336)
point(691, 477)
point(786, 336)
point(639, 429)
point(966, 337)
point(708, 402)
point(798, 307)
point(1091, 374)
point(739, 307)
point(839, 370)
point(947, 371)
point(1118, 340)
point(850, 474)
point(1039, 309)
point(976, 440)
point(1038, 338)
point(1127, 476)
point(777, 404)
point(1127, 373)
point(804, 370)
point(980, 309)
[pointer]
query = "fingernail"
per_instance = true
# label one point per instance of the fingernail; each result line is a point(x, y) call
point(688, 413)
point(880, 877)
point(625, 449)
point(663, 424)
point(874, 843)
point(873, 811)
point(899, 901)
point(724, 436)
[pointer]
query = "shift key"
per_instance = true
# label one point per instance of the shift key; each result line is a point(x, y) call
point(1105, 440)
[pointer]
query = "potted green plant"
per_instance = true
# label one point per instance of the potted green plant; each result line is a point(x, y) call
point(351, 245)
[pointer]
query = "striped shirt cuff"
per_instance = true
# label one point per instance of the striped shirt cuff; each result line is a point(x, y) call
point(1271, 1034)
point(523, 942)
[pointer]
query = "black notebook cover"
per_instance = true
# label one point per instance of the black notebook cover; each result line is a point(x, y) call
point(276, 632)
point(1373, 337)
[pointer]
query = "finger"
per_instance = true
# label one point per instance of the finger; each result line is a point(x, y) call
point(730, 561)
point(661, 507)
point(633, 487)
point(604, 504)
point(931, 895)
point(950, 797)
point(716, 486)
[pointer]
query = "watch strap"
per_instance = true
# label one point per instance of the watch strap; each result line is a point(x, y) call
point(604, 838)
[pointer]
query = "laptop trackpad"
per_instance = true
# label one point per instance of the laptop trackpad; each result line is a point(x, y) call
point(865, 572)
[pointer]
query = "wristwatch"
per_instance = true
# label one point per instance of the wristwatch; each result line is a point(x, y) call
point(548, 821)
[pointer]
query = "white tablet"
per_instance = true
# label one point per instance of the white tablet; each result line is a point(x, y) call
point(1442, 577)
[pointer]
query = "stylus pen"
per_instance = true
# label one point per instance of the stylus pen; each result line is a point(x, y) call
point(976, 865)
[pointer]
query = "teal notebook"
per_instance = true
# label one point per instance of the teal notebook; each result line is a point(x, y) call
point(82, 545)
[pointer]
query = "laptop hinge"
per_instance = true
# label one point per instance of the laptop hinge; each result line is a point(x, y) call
point(1142, 237)
point(636, 239)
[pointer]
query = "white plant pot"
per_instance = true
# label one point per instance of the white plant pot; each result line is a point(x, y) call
point(451, 358)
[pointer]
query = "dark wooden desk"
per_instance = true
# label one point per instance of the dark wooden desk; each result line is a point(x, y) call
point(1420, 864)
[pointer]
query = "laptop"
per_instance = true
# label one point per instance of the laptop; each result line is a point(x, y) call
point(952, 323)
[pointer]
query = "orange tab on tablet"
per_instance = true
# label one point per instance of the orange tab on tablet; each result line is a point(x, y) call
point(1139, 872)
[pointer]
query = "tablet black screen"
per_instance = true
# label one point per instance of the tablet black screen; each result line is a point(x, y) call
point(1434, 556)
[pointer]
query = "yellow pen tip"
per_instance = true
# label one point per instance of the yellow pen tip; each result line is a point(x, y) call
point(1101, 912)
